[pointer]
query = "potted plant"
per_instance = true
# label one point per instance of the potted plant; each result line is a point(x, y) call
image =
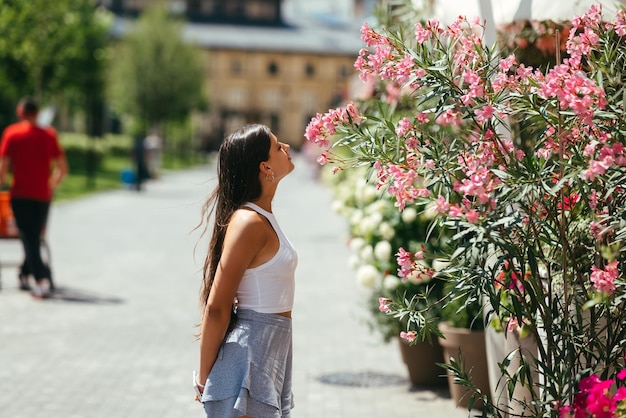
point(377, 231)
point(543, 200)
point(463, 340)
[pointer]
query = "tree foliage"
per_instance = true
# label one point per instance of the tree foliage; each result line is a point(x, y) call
point(157, 76)
point(51, 48)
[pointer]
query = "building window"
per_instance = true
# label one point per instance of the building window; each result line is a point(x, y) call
point(309, 101)
point(236, 98)
point(309, 70)
point(274, 122)
point(271, 99)
point(235, 67)
point(207, 7)
point(272, 68)
point(344, 72)
point(234, 9)
point(261, 10)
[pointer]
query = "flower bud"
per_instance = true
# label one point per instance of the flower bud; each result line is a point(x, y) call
point(367, 276)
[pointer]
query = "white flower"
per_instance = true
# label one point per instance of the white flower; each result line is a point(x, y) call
point(382, 251)
point(356, 244)
point(367, 276)
point(366, 254)
point(378, 207)
point(354, 261)
point(430, 212)
point(364, 192)
point(357, 217)
point(371, 223)
point(409, 215)
point(337, 207)
point(386, 231)
point(391, 282)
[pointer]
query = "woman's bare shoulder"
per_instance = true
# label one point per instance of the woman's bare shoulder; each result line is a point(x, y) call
point(245, 222)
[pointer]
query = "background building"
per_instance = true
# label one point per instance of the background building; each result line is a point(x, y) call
point(272, 61)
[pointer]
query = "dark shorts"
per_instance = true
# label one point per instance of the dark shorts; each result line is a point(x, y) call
point(252, 372)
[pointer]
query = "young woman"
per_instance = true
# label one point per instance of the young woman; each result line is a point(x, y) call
point(248, 286)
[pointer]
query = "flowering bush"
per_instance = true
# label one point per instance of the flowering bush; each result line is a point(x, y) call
point(538, 220)
point(378, 231)
point(595, 399)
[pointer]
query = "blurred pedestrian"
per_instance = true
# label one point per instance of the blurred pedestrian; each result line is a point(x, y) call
point(248, 285)
point(139, 160)
point(38, 165)
point(153, 146)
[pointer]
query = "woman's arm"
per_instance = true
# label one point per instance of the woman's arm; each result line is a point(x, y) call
point(245, 237)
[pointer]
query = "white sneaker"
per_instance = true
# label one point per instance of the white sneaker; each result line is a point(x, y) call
point(39, 289)
point(44, 287)
point(35, 289)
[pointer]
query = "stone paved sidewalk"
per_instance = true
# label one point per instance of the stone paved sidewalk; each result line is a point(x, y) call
point(117, 340)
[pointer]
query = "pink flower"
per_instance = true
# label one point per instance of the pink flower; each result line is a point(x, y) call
point(441, 205)
point(409, 336)
point(603, 279)
point(383, 305)
point(507, 63)
point(449, 117)
point(485, 113)
point(371, 37)
point(405, 263)
point(513, 324)
point(322, 159)
point(421, 34)
point(565, 412)
point(421, 117)
point(403, 126)
point(472, 216)
point(434, 26)
point(455, 211)
point(322, 127)
point(620, 24)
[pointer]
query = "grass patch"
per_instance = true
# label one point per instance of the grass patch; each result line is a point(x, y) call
point(78, 183)
point(111, 154)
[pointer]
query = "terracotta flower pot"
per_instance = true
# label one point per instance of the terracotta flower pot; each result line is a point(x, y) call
point(422, 360)
point(472, 346)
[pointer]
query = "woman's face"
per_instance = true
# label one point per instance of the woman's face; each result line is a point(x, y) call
point(279, 159)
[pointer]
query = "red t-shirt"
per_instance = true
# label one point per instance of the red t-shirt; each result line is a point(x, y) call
point(31, 150)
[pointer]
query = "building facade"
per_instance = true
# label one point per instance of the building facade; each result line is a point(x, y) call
point(280, 89)
point(260, 68)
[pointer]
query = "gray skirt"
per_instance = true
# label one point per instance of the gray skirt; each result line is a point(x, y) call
point(252, 373)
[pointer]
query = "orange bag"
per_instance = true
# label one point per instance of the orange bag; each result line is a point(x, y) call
point(8, 228)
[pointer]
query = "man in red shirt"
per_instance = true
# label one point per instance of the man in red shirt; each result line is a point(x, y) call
point(38, 165)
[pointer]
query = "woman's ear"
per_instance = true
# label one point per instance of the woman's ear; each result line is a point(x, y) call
point(264, 168)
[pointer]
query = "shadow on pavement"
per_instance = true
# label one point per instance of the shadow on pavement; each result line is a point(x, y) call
point(66, 294)
point(362, 379)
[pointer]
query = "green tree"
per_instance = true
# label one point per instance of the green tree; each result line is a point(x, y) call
point(157, 76)
point(52, 50)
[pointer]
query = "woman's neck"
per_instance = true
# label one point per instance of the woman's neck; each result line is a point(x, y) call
point(264, 202)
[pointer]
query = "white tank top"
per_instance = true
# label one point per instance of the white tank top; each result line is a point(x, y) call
point(270, 287)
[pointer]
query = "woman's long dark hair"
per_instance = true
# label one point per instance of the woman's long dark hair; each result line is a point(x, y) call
point(239, 157)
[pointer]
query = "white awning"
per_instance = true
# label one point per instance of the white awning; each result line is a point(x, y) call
point(505, 11)
point(498, 12)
